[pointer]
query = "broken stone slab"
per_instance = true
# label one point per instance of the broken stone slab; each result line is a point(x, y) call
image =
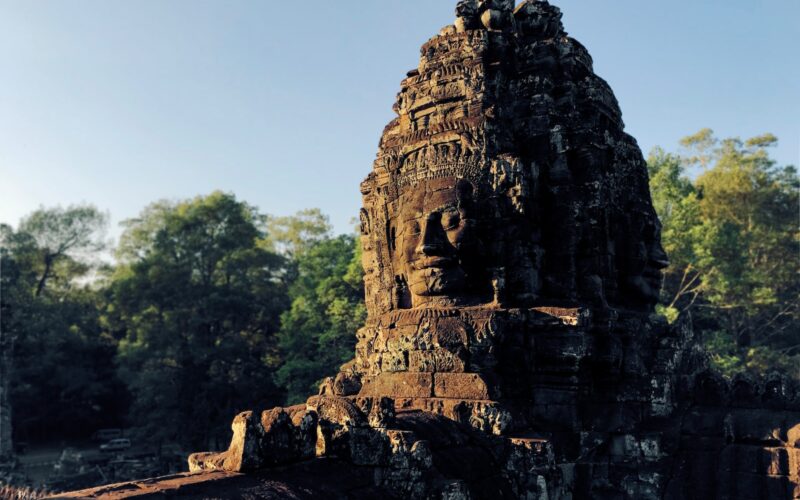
point(278, 437)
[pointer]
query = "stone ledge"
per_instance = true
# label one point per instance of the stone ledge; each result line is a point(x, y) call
point(319, 478)
point(174, 485)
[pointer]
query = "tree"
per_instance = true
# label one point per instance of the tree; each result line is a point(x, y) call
point(196, 302)
point(317, 333)
point(675, 200)
point(750, 245)
point(64, 238)
point(295, 234)
point(6, 347)
point(733, 240)
point(6, 350)
point(56, 358)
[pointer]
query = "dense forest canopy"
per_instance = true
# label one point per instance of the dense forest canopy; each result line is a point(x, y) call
point(212, 307)
point(732, 237)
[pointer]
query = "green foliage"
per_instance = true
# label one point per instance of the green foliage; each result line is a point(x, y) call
point(50, 325)
point(731, 359)
point(197, 303)
point(318, 332)
point(295, 234)
point(193, 325)
point(63, 240)
point(733, 241)
point(702, 144)
point(676, 202)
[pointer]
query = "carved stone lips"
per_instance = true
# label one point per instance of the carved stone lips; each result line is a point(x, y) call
point(433, 263)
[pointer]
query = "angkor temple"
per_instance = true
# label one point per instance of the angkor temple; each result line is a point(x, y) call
point(512, 262)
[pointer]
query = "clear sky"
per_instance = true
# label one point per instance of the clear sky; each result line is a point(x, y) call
point(122, 103)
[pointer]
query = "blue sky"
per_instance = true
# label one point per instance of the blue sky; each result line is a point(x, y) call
point(282, 103)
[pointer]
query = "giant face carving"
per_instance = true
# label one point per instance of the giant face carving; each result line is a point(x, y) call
point(657, 261)
point(647, 261)
point(436, 239)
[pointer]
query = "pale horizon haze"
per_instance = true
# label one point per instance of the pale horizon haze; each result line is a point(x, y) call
point(123, 103)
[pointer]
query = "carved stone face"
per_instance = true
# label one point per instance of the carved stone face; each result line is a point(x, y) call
point(436, 234)
point(647, 264)
point(657, 261)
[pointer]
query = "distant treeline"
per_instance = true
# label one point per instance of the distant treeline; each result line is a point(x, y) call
point(211, 308)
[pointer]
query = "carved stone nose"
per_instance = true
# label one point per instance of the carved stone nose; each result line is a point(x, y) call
point(659, 257)
point(432, 240)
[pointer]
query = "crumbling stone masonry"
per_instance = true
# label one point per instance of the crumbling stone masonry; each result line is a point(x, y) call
point(512, 263)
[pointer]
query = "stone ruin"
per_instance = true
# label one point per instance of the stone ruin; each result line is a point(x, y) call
point(512, 263)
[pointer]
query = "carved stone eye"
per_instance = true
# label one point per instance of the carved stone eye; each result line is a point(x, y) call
point(450, 221)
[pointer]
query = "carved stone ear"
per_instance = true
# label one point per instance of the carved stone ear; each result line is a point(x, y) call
point(402, 297)
point(366, 223)
point(465, 189)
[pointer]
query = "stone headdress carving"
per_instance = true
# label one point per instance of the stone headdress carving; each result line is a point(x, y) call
point(560, 190)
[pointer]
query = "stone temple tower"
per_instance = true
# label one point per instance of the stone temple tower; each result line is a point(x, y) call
point(512, 263)
point(507, 105)
point(506, 205)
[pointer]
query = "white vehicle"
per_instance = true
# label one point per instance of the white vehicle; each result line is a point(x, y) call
point(116, 445)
